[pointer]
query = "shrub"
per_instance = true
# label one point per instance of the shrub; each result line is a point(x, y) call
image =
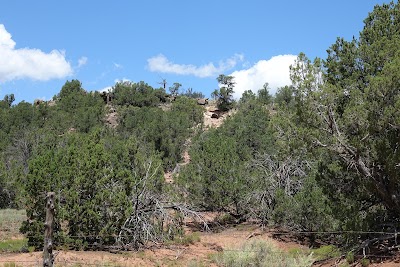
point(261, 253)
point(326, 252)
point(108, 191)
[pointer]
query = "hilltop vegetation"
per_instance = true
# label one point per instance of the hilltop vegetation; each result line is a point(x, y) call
point(322, 155)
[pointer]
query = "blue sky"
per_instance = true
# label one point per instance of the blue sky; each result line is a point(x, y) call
point(45, 43)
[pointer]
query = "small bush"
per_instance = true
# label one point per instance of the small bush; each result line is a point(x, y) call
point(12, 245)
point(186, 240)
point(326, 252)
point(224, 218)
point(350, 257)
point(262, 254)
point(365, 262)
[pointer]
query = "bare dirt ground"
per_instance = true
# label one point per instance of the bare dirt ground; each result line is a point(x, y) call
point(209, 121)
point(172, 255)
point(197, 254)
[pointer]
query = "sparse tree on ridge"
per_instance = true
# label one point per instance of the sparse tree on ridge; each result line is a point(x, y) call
point(224, 95)
point(174, 89)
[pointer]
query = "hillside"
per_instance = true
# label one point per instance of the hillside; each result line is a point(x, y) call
point(129, 153)
point(212, 118)
point(316, 163)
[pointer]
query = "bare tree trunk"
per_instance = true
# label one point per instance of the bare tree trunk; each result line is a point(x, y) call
point(48, 258)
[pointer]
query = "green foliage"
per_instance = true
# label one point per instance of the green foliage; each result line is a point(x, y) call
point(217, 178)
point(350, 257)
point(13, 245)
point(7, 190)
point(247, 96)
point(166, 131)
point(17, 118)
point(224, 95)
point(187, 106)
point(326, 252)
point(263, 95)
point(137, 94)
point(96, 178)
point(365, 262)
point(284, 97)
point(186, 239)
point(105, 180)
point(240, 169)
point(350, 108)
point(24, 127)
point(307, 210)
point(77, 109)
point(7, 101)
point(69, 91)
point(12, 174)
point(215, 182)
point(251, 129)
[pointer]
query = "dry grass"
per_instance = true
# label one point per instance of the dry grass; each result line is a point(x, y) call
point(263, 254)
point(10, 222)
point(10, 238)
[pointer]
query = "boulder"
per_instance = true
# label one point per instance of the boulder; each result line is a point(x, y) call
point(214, 116)
point(37, 102)
point(202, 101)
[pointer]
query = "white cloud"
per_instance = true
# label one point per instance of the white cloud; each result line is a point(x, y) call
point(82, 61)
point(274, 71)
point(5, 39)
point(161, 64)
point(28, 62)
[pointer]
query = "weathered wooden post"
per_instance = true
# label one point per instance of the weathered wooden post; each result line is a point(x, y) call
point(48, 258)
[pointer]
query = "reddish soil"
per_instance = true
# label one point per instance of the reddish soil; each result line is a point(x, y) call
point(172, 255)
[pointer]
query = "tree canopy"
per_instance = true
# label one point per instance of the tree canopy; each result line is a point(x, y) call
point(224, 95)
